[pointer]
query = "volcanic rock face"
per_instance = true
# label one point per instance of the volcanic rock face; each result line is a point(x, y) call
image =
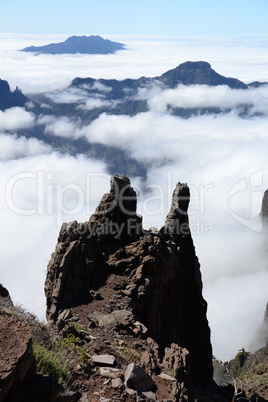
point(17, 361)
point(157, 273)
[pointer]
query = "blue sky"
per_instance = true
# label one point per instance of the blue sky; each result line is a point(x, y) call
point(144, 17)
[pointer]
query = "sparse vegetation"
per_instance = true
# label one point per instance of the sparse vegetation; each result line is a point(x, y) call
point(129, 354)
point(50, 363)
point(77, 326)
point(71, 346)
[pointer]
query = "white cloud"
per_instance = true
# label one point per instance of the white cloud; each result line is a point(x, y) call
point(62, 126)
point(98, 86)
point(197, 96)
point(68, 95)
point(84, 100)
point(15, 118)
point(12, 147)
point(93, 103)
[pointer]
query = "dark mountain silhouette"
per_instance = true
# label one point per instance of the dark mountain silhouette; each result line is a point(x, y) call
point(10, 99)
point(201, 73)
point(93, 44)
point(188, 73)
point(257, 84)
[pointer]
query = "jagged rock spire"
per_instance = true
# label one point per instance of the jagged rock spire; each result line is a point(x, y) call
point(177, 218)
point(159, 271)
point(117, 209)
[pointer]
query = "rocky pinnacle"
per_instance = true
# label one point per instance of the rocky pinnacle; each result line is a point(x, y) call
point(155, 273)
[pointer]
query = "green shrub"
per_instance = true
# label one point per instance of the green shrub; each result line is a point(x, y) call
point(49, 363)
point(71, 345)
point(78, 327)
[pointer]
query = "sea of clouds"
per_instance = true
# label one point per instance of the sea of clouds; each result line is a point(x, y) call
point(223, 158)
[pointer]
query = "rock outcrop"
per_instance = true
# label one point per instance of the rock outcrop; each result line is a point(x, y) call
point(156, 273)
point(4, 292)
point(10, 99)
point(17, 362)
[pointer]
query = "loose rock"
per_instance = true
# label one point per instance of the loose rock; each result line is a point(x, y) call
point(103, 360)
point(109, 372)
point(136, 378)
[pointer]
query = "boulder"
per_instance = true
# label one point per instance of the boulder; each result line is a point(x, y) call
point(137, 379)
point(103, 320)
point(123, 317)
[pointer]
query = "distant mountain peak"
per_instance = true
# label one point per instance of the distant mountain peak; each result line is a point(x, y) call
point(93, 44)
point(198, 73)
point(194, 64)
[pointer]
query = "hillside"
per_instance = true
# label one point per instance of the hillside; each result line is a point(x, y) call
point(93, 44)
